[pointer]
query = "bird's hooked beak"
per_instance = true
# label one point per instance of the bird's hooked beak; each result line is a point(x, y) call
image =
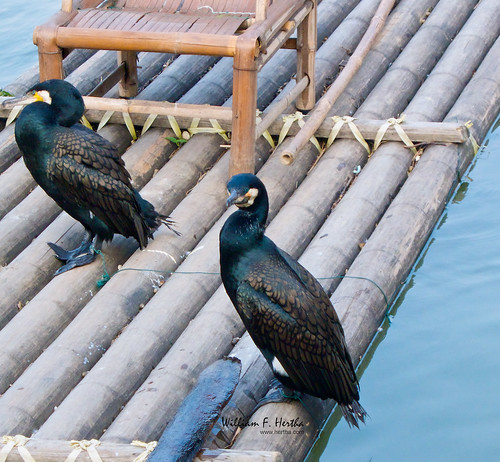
point(245, 200)
point(28, 98)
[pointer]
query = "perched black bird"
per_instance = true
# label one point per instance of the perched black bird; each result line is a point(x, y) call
point(81, 171)
point(284, 308)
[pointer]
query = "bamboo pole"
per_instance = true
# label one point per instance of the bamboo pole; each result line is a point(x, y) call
point(185, 433)
point(59, 451)
point(354, 218)
point(325, 103)
point(167, 189)
point(207, 336)
point(64, 421)
point(94, 377)
point(399, 236)
point(418, 131)
point(26, 274)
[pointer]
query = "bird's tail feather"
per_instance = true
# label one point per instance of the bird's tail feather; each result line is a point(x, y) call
point(353, 413)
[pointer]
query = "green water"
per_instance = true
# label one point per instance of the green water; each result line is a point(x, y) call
point(431, 380)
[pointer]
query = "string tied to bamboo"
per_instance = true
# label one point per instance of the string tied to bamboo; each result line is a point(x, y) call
point(17, 441)
point(475, 145)
point(288, 121)
point(338, 123)
point(88, 446)
point(148, 449)
point(396, 123)
point(267, 136)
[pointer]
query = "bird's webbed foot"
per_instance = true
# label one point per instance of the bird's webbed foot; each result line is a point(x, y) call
point(278, 393)
point(82, 255)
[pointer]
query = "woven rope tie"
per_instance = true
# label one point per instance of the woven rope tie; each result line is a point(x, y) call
point(396, 123)
point(288, 121)
point(338, 123)
point(475, 145)
point(84, 445)
point(148, 449)
point(267, 136)
point(18, 442)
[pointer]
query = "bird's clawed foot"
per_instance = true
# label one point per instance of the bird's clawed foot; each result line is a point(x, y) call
point(278, 393)
point(80, 256)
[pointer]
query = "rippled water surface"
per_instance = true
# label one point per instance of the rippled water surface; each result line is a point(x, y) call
point(431, 380)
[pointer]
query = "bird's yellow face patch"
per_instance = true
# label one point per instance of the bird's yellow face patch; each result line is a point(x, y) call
point(42, 95)
point(247, 199)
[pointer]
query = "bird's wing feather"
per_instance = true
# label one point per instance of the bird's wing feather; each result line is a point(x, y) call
point(295, 320)
point(88, 148)
point(86, 178)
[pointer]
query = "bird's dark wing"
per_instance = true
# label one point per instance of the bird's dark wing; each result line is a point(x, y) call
point(88, 148)
point(93, 177)
point(293, 318)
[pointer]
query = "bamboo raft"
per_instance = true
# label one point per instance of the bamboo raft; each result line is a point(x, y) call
point(94, 367)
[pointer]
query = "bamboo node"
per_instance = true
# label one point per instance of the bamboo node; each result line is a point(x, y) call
point(148, 449)
point(338, 123)
point(17, 441)
point(396, 123)
point(84, 445)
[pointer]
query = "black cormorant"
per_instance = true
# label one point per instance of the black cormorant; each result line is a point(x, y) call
point(81, 171)
point(284, 308)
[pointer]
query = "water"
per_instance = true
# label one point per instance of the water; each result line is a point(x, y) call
point(18, 19)
point(431, 378)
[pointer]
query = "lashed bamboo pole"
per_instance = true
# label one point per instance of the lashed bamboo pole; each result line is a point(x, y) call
point(396, 242)
point(66, 411)
point(64, 421)
point(59, 451)
point(426, 132)
point(58, 425)
point(325, 103)
point(94, 329)
point(337, 242)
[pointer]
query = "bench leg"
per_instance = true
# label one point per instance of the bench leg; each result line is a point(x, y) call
point(129, 83)
point(306, 50)
point(242, 158)
point(49, 54)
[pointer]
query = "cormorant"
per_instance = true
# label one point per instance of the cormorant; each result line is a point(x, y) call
point(81, 171)
point(284, 308)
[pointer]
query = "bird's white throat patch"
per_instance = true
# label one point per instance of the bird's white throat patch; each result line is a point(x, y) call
point(278, 368)
point(44, 95)
point(249, 197)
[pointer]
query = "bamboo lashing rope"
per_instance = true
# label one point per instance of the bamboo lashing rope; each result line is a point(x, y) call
point(148, 449)
point(17, 441)
point(84, 445)
point(320, 111)
point(288, 121)
point(396, 123)
point(473, 141)
point(338, 124)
